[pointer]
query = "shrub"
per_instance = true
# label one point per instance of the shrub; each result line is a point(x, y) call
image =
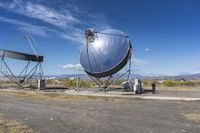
point(189, 83)
point(82, 83)
point(86, 83)
point(48, 81)
point(198, 82)
point(69, 83)
point(147, 82)
point(170, 83)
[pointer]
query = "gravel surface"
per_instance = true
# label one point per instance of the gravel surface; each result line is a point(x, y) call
point(89, 116)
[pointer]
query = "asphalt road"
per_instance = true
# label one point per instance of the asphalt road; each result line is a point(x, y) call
point(87, 116)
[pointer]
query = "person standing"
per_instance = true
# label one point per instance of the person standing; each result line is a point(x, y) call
point(153, 88)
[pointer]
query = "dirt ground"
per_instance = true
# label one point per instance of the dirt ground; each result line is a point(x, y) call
point(89, 115)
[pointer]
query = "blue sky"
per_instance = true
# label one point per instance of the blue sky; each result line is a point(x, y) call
point(165, 33)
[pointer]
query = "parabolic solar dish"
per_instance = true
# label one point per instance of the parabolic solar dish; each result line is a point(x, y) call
point(106, 54)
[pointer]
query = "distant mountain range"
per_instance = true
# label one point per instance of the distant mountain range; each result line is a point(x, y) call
point(138, 76)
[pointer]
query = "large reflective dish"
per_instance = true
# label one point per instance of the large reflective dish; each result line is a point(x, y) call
point(107, 54)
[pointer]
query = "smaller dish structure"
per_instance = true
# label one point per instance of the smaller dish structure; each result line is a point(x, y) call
point(104, 54)
point(27, 73)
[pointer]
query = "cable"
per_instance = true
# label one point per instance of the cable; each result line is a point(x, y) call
point(30, 44)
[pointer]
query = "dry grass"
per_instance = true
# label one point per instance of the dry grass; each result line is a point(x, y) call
point(192, 116)
point(13, 126)
point(55, 96)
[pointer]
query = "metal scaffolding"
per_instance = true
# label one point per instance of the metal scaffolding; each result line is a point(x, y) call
point(28, 72)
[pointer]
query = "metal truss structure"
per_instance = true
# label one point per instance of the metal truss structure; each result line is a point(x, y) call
point(28, 72)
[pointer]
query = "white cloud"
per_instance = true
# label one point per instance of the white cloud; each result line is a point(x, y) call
point(26, 27)
point(71, 66)
point(1, 5)
point(44, 31)
point(98, 21)
point(146, 49)
point(41, 12)
point(69, 20)
point(76, 35)
point(139, 62)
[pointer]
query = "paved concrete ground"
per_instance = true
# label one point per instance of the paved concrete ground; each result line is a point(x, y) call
point(162, 94)
point(87, 116)
point(121, 92)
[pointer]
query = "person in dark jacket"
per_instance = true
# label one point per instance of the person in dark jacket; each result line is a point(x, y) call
point(153, 88)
